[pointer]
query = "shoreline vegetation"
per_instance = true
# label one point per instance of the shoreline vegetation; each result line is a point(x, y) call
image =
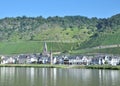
point(109, 67)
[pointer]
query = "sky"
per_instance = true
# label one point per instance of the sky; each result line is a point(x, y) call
point(46, 8)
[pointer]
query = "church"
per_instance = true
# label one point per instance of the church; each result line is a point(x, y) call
point(47, 55)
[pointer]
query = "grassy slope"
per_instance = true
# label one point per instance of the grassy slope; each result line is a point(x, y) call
point(105, 38)
point(115, 51)
point(107, 50)
point(32, 47)
point(37, 46)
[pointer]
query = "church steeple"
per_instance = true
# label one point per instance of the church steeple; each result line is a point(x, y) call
point(45, 47)
point(45, 52)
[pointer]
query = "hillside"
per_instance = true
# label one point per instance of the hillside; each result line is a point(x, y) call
point(68, 28)
point(104, 38)
point(108, 33)
point(27, 33)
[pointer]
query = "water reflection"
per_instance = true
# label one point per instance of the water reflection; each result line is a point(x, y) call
point(109, 77)
point(58, 77)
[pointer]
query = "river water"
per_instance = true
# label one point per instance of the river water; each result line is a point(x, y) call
point(13, 76)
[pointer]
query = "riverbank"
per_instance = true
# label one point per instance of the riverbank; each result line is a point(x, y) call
point(63, 66)
point(34, 65)
point(110, 67)
point(42, 65)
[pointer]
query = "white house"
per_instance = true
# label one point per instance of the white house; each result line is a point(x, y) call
point(85, 60)
point(114, 61)
point(55, 60)
point(7, 60)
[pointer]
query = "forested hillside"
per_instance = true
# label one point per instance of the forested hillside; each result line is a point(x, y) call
point(87, 32)
point(108, 33)
point(52, 28)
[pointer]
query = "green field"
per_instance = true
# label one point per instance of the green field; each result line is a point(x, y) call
point(114, 51)
point(24, 47)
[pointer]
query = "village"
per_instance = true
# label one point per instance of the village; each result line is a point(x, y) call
point(46, 58)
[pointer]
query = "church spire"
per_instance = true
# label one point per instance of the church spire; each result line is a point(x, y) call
point(45, 52)
point(45, 47)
